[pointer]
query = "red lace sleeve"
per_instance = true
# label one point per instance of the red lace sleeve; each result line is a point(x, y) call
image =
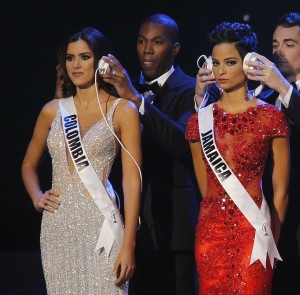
point(192, 129)
point(280, 126)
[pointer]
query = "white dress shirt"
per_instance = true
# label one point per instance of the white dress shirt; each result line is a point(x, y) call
point(286, 100)
point(161, 80)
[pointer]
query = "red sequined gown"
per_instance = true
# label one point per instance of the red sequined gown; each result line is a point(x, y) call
point(224, 237)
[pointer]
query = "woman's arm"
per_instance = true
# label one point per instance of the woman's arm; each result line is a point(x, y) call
point(280, 178)
point(129, 127)
point(199, 166)
point(35, 150)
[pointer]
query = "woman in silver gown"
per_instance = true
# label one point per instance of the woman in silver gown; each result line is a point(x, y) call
point(72, 220)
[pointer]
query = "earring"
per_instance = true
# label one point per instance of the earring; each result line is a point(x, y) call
point(221, 93)
point(246, 91)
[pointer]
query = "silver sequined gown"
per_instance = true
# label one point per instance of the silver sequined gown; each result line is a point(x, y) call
point(69, 235)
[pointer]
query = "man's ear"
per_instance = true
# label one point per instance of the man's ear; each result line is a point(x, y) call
point(176, 48)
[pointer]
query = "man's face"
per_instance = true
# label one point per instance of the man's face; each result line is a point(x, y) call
point(155, 49)
point(286, 51)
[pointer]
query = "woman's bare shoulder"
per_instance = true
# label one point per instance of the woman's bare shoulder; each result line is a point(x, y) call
point(127, 105)
point(126, 114)
point(49, 110)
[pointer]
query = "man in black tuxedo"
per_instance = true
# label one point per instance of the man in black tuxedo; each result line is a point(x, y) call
point(284, 85)
point(165, 261)
point(285, 94)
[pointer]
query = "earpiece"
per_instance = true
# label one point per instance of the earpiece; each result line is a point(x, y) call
point(207, 64)
point(250, 57)
point(104, 67)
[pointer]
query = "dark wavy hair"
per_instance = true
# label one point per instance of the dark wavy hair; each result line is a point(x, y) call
point(99, 45)
point(241, 35)
point(290, 19)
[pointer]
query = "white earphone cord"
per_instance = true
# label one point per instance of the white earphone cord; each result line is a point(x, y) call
point(112, 131)
point(205, 98)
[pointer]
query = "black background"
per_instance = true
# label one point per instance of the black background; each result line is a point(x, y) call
point(29, 35)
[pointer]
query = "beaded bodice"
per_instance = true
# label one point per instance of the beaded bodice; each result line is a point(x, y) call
point(99, 144)
point(244, 141)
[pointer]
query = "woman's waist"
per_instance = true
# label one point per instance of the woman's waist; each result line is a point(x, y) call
point(224, 198)
point(66, 192)
point(252, 186)
point(224, 203)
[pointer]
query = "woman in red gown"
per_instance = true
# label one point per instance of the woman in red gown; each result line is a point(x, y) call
point(246, 130)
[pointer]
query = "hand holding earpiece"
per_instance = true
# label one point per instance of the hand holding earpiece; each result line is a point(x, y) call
point(259, 68)
point(120, 80)
point(104, 67)
point(204, 77)
point(252, 62)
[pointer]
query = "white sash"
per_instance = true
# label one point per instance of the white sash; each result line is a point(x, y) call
point(260, 219)
point(112, 229)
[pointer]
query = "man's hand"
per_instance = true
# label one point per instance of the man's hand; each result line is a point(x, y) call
point(121, 81)
point(266, 72)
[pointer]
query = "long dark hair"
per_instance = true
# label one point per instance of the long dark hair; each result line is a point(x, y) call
point(98, 43)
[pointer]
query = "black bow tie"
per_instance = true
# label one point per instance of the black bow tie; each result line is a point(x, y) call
point(154, 87)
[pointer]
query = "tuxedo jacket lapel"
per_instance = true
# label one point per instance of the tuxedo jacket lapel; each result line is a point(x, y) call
point(164, 98)
point(269, 96)
point(167, 93)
